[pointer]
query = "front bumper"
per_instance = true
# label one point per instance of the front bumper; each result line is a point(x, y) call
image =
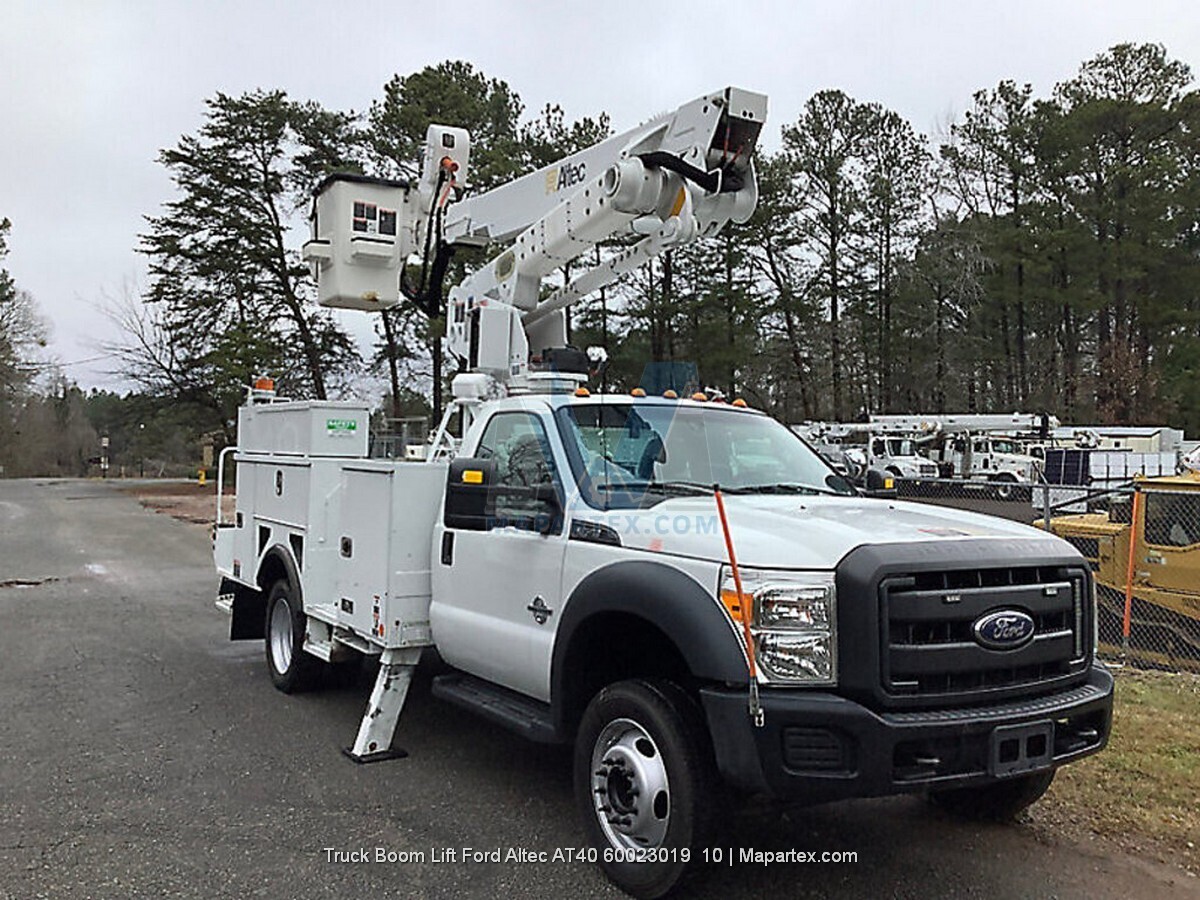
point(817, 746)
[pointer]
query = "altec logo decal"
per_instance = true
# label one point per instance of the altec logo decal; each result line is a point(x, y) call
point(340, 427)
point(565, 176)
point(1005, 629)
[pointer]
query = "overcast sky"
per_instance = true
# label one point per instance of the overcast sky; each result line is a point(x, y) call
point(90, 91)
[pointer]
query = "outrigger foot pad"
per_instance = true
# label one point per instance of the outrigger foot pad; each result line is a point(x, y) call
point(377, 756)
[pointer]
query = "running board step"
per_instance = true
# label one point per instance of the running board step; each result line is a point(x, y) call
point(518, 713)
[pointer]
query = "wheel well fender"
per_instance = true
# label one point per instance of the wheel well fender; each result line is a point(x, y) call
point(278, 563)
point(674, 620)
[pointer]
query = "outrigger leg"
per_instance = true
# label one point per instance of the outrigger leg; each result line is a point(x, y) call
point(374, 741)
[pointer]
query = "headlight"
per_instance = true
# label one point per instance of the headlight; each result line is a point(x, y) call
point(795, 622)
point(796, 657)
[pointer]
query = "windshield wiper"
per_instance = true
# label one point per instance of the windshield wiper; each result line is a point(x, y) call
point(781, 488)
point(685, 488)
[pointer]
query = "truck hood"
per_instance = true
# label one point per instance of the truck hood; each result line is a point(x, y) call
point(802, 532)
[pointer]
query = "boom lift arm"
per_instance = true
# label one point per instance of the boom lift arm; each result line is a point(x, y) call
point(680, 176)
point(956, 424)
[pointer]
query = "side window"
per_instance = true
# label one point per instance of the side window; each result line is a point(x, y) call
point(1172, 519)
point(524, 463)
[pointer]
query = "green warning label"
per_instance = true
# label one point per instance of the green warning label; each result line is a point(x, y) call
point(341, 427)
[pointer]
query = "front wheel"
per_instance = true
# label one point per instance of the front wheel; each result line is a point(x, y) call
point(1006, 487)
point(646, 784)
point(999, 802)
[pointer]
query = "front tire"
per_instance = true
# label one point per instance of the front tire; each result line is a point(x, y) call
point(1002, 801)
point(1006, 487)
point(292, 669)
point(646, 784)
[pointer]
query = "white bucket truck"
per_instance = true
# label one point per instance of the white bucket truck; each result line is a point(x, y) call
point(1007, 449)
point(567, 555)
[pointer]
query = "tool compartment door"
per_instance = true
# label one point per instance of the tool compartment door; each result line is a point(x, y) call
point(363, 545)
point(386, 517)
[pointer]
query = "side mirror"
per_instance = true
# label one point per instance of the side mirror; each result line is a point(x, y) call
point(470, 503)
point(839, 484)
point(880, 483)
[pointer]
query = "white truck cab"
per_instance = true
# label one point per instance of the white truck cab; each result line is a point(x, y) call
point(899, 456)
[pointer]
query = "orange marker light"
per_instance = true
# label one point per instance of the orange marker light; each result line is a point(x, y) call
point(733, 603)
point(670, 394)
point(638, 392)
point(264, 384)
point(739, 403)
point(700, 395)
point(582, 392)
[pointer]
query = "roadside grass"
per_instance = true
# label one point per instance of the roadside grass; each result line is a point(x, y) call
point(1143, 791)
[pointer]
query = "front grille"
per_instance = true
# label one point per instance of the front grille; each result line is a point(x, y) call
point(929, 648)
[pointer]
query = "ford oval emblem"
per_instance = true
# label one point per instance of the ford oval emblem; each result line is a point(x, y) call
point(1005, 629)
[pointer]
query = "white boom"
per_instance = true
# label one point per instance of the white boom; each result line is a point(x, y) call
point(956, 424)
point(680, 176)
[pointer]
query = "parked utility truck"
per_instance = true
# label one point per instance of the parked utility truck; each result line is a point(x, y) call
point(566, 554)
point(982, 447)
point(871, 448)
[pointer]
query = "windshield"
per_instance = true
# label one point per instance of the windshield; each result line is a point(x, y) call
point(628, 455)
point(900, 447)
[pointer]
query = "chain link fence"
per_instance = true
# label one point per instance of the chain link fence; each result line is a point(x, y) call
point(1143, 547)
point(403, 438)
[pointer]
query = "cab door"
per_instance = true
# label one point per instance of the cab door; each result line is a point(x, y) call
point(497, 583)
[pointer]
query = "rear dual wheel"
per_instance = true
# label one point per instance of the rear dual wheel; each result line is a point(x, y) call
point(292, 669)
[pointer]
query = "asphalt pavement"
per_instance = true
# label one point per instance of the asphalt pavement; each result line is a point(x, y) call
point(142, 754)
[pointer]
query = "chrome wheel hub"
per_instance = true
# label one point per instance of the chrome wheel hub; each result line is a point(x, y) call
point(630, 789)
point(281, 636)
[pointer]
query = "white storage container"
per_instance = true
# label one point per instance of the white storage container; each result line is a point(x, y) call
point(304, 427)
